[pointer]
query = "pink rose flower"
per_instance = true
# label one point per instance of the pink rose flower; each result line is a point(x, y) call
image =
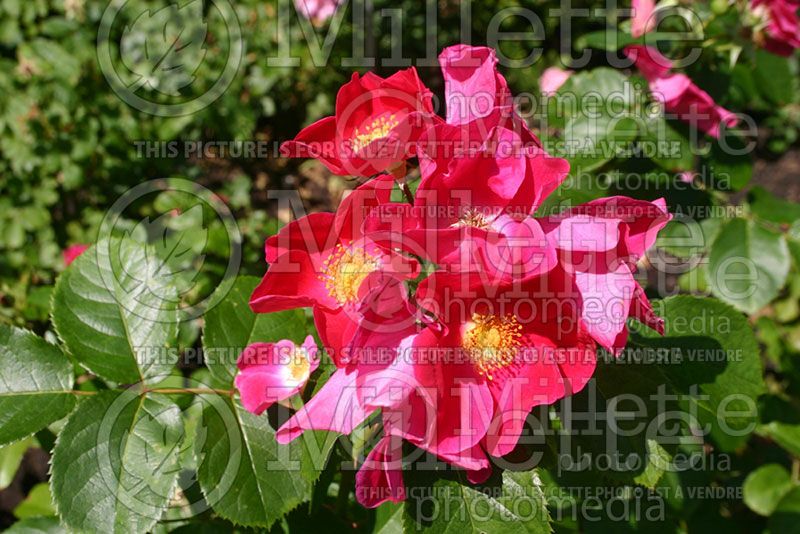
point(325, 261)
point(678, 93)
point(473, 87)
point(72, 252)
point(375, 378)
point(600, 243)
point(317, 10)
point(643, 19)
point(783, 28)
point(456, 220)
point(552, 79)
point(380, 478)
point(272, 372)
point(476, 94)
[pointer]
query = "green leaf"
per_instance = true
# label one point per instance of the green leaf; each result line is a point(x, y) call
point(668, 147)
point(389, 519)
point(588, 93)
point(728, 167)
point(514, 503)
point(646, 460)
point(765, 487)
point(773, 76)
point(719, 356)
point(657, 459)
point(10, 458)
point(231, 326)
point(786, 435)
point(35, 384)
point(778, 408)
point(793, 240)
point(110, 319)
point(592, 141)
point(771, 208)
point(601, 39)
point(37, 525)
point(573, 191)
point(687, 238)
point(769, 335)
point(246, 476)
point(37, 503)
point(115, 463)
point(787, 309)
point(744, 91)
point(605, 82)
point(748, 265)
point(176, 246)
point(786, 517)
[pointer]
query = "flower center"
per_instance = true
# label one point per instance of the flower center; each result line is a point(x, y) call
point(472, 217)
point(299, 365)
point(491, 342)
point(345, 270)
point(377, 129)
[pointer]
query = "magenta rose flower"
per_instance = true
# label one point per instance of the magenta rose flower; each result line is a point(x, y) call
point(643, 19)
point(272, 372)
point(783, 26)
point(552, 79)
point(317, 10)
point(325, 261)
point(678, 93)
point(73, 251)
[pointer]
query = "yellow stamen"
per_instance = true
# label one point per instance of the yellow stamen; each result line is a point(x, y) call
point(299, 365)
point(472, 217)
point(377, 129)
point(345, 270)
point(491, 342)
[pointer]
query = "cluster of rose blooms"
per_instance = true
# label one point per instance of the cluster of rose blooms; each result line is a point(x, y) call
point(456, 311)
